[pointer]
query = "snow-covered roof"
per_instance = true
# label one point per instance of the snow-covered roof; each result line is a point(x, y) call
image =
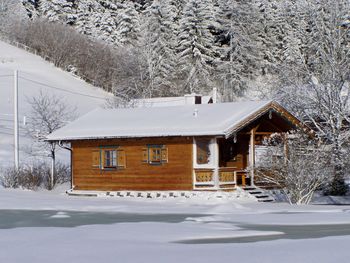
point(187, 120)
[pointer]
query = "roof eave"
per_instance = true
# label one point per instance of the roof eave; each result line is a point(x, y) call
point(132, 136)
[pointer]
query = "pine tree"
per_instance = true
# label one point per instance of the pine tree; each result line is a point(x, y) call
point(272, 34)
point(58, 11)
point(158, 46)
point(238, 46)
point(84, 13)
point(196, 45)
point(128, 24)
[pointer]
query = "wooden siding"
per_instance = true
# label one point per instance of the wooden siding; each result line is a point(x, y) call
point(176, 174)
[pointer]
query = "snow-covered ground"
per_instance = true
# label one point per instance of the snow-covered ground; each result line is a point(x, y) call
point(53, 227)
point(36, 74)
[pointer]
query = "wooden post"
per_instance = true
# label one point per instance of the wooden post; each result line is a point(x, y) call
point(235, 178)
point(194, 161)
point(216, 165)
point(252, 154)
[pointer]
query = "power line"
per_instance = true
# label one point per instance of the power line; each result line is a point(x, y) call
point(6, 120)
point(6, 133)
point(6, 128)
point(3, 76)
point(60, 89)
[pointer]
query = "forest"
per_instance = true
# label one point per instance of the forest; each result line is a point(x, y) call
point(172, 47)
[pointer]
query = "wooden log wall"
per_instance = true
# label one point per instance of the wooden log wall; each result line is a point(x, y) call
point(176, 174)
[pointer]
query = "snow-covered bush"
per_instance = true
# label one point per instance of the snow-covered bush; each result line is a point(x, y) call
point(30, 177)
point(9, 178)
point(62, 175)
point(34, 176)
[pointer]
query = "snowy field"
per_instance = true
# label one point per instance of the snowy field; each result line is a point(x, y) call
point(52, 227)
point(34, 75)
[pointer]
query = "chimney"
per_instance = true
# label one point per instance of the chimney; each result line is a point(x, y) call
point(193, 98)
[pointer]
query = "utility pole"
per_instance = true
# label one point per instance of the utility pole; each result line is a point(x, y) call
point(15, 120)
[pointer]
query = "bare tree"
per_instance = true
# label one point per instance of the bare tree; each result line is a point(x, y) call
point(316, 83)
point(295, 163)
point(48, 113)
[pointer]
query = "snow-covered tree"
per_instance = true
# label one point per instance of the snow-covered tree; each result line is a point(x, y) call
point(58, 10)
point(128, 24)
point(84, 22)
point(237, 45)
point(196, 50)
point(98, 19)
point(11, 13)
point(158, 47)
point(318, 88)
point(48, 113)
point(272, 25)
point(297, 164)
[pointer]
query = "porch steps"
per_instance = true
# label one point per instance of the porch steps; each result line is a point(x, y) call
point(260, 194)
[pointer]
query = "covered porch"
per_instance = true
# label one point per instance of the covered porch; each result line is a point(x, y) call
point(223, 163)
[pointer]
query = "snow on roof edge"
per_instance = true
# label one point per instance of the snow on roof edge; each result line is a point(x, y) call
point(245, 120)
point(134, 136)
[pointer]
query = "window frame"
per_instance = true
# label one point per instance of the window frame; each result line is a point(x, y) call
point(155, 147)
point(112, 159)
point(117, 150)
point(207, 151)
point(213, 152)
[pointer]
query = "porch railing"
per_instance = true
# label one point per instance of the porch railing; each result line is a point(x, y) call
point(228, 178)
point(204, 178)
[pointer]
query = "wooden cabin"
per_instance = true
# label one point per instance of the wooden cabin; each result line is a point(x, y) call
point(188, 147)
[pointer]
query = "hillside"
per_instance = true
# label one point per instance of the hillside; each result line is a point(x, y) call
point(36, 74)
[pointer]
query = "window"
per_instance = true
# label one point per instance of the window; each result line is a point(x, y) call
point(155, 154)
point(203, 151)
point(109, 158)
